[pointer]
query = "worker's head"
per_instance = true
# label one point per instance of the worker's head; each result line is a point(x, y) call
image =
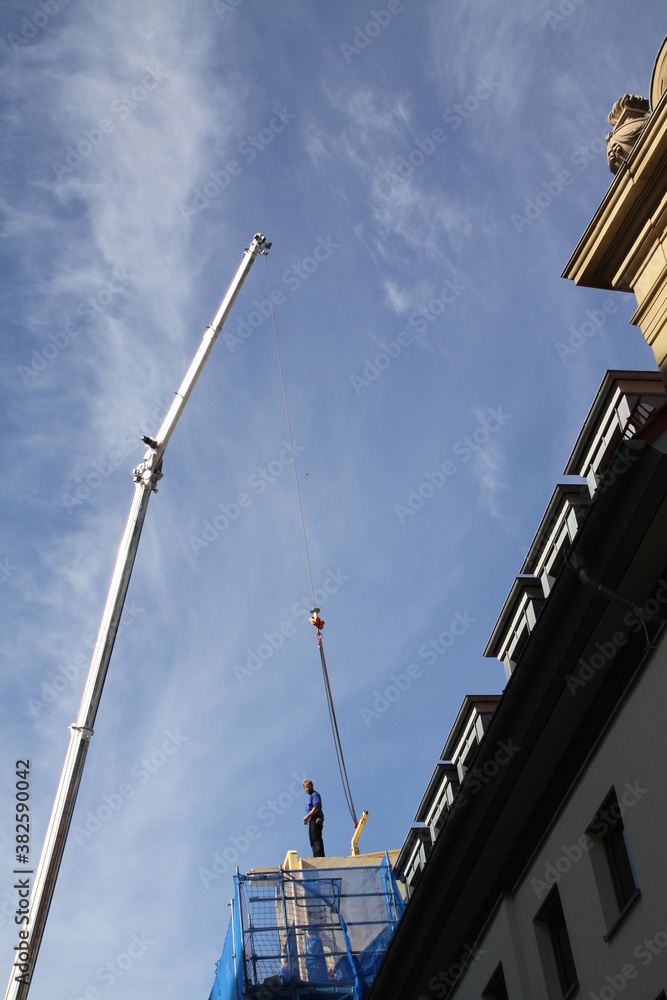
point(308, 785)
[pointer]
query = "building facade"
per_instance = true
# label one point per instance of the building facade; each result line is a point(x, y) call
point(535, 867)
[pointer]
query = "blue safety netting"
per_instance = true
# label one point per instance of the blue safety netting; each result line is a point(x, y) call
point(317, 932)
point(228, 984)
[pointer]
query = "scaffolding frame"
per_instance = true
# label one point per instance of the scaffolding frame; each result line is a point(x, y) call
point(306, 934)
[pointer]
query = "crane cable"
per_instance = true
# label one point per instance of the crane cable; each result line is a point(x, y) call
point(314, 619)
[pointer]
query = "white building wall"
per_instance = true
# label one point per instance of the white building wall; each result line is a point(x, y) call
point(631, 757)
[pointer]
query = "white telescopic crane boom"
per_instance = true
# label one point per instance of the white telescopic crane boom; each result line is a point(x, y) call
point(146, 477)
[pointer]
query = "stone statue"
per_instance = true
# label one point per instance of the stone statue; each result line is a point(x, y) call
point(659, 76)
point(628, 118)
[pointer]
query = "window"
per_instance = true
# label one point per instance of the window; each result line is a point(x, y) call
point(495, 988)
point(612, 862)
point(617, 850)
point(552, 919)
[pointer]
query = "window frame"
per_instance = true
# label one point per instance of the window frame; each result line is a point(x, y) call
point(552, 918)
point(613, 865)
point(496, 988)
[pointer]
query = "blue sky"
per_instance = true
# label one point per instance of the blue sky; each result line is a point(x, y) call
point(424, 171)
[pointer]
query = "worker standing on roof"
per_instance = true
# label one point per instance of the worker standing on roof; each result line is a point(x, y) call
point(314, 819)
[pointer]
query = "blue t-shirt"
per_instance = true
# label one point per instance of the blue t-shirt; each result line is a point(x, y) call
point(314, 800)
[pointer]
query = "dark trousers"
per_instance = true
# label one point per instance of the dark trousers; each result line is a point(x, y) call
point(315, 835)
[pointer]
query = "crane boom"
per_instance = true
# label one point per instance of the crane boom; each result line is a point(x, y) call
point(146, 476)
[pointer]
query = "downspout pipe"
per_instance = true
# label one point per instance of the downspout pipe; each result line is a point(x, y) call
point(576, 563)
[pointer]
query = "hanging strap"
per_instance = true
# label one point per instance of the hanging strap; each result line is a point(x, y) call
point(336, 735)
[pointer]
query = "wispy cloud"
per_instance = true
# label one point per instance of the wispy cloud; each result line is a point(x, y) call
point(490, 470)
point(116, 116)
